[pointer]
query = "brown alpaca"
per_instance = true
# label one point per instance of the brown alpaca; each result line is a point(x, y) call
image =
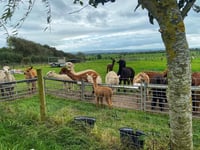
point(110, 66)
point(153, 74)
point(31, 73)
point(102, 92)
point(79, 76)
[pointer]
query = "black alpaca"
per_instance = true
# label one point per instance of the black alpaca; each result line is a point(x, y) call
point(159, 93)
point(126, 73)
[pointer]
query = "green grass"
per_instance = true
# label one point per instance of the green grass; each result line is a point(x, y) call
point(21, 127)
point(139, 62)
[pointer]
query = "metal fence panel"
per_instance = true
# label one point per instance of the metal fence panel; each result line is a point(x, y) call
point(144, 97)
point(16, 90)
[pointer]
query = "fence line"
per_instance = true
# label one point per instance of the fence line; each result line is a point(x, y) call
point(151, 97)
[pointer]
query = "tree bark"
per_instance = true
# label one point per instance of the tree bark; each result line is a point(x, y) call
point(173, 35)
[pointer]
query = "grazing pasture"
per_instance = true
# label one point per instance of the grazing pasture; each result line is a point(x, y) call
point(22, 129)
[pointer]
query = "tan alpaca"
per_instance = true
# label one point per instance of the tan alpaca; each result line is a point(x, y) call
point(79, 76)
point(102, 92)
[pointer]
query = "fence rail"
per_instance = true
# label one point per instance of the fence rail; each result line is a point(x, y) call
point(144, 97)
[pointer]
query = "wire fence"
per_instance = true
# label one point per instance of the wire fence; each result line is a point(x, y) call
point(151, 97)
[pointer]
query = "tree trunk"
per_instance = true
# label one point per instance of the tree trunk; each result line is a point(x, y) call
point(172, 30)
point(179, 77)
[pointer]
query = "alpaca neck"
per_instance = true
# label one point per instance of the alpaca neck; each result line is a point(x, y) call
point(95, 84)
point(8, 76)
point(113, 62)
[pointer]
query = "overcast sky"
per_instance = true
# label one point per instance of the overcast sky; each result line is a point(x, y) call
point(114, 26)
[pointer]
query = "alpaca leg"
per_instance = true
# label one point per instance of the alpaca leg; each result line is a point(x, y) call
point(97, 100)
point(110, 102)
point(154, 99)
point(101, 98)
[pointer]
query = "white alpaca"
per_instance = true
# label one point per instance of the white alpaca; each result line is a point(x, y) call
point(112, 78)
point(6, 76)
point(53, 74)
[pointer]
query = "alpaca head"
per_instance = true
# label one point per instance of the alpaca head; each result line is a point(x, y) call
point(6, 68)
point(69, 65)
point(50, 73)
point(141, 77)
point(30, 73)
point(91, 78)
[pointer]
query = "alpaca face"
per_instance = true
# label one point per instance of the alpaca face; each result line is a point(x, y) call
point(30, 73)
point(50, 73)
point(6, 68)
point(141, 77)
point(69, 65)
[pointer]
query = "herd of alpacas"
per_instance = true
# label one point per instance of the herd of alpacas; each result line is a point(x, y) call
point(125, 75)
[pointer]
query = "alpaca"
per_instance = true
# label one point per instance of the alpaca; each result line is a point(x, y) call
point(53, 74)
point(110, 66)
point(195, 78)
point(126, 73)
point(141, 78)
point(159, 93)
point(153, 74)
point(102, 92)
point(6, 76)
point(196, 94)
point(30, 73)
point(112, 78)
point(79, 76)
point(196, 100)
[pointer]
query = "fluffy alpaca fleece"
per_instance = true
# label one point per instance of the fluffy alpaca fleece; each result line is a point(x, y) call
point(102, 92)
point(31, 73)
point(141, 78)
point(6, 76)
point(112, 78)
point(53, 74)
point(79, 76)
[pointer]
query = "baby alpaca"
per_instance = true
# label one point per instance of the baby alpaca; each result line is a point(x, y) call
point(102, 92)
point(31, 73)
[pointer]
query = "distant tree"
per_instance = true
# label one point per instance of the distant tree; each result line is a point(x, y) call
point(81, 56)
point(99, 56)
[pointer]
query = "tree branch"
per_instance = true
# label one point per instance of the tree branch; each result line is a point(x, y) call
point(187, 8)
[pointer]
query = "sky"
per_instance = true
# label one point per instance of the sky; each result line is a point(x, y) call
point(114, 26)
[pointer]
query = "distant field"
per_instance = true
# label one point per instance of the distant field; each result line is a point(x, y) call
point(138, 61)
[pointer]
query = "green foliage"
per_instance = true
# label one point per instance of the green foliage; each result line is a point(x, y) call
point(21, 50)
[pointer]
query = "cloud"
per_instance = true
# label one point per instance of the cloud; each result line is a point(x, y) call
point(114, 26)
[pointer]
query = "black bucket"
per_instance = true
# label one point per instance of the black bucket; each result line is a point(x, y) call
point(87, 120)
point(132, 139)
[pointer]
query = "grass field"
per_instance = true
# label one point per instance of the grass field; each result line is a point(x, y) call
point(21, 128)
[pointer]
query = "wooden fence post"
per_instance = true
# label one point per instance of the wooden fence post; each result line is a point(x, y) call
point(41, 95)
